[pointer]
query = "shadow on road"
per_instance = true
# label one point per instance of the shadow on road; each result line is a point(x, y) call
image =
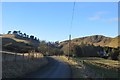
point(54, 69)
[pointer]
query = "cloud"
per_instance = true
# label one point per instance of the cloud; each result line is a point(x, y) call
point(112, 20)
point(98, 15)
point(102, 12)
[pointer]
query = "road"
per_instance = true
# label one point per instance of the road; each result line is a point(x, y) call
point(54, 69)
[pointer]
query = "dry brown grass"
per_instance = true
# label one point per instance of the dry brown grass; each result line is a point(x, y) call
point(108, 64)
point(81, 70)
point(10, 56)
point(18, 68)
point(102, 62)
point(11, 36)
point(100, 68)
point(8, 36)
point(105, 41)
point(20, 40)
point(78, 69)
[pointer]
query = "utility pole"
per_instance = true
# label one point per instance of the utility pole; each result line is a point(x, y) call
point(47, 53)
point(69, 43)
point(69, 46)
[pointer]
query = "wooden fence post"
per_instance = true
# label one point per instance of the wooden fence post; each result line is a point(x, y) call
point(36, 55)
point(23, 56)
point(4, 56)
point(28, 55)
point(15, 55)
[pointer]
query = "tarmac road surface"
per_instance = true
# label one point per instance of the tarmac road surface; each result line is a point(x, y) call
point(54, 69)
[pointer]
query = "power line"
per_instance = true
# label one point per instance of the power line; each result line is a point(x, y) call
point(71, 24)
point(70, 31)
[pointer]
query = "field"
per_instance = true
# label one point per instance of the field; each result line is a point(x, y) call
point(10, 56)
point(101, 67)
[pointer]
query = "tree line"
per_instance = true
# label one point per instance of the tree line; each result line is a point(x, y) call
point(50, 48)
point(82, 50)
point(89, 50)
point(46, 48)
point(23, 35)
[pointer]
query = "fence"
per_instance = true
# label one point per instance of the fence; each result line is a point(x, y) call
point(11, 56)
point(17, 65)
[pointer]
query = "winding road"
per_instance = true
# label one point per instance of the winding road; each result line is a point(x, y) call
point(54, 69)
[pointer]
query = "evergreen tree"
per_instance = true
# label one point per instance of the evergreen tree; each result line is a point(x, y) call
point(9, 32)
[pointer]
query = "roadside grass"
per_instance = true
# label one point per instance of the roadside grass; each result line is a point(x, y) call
point(101, 71)
point(76, 69)
point(92, 67)
point(102, 68)
point(100, 61)
point(21, 67)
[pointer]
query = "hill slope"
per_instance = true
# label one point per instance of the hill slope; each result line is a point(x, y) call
point(96, 40)
point(15, 43)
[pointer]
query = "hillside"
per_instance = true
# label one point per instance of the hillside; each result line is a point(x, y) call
point(11, 42)
point(114, 42)
point(96, 40)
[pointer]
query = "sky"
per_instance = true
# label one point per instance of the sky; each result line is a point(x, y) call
point(51, 21)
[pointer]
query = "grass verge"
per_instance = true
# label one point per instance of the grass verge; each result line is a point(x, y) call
point(92, 67)
point(12, 69)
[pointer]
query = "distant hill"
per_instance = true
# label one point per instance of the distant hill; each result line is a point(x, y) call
point(96, 40)
point(22, 44)
point(14, 43)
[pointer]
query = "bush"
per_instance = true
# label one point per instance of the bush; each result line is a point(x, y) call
point(115, 54)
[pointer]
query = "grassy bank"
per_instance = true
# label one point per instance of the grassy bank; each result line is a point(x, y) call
point(12, 69)
point(101, 68)
point(76, 69)
point(92, 67)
